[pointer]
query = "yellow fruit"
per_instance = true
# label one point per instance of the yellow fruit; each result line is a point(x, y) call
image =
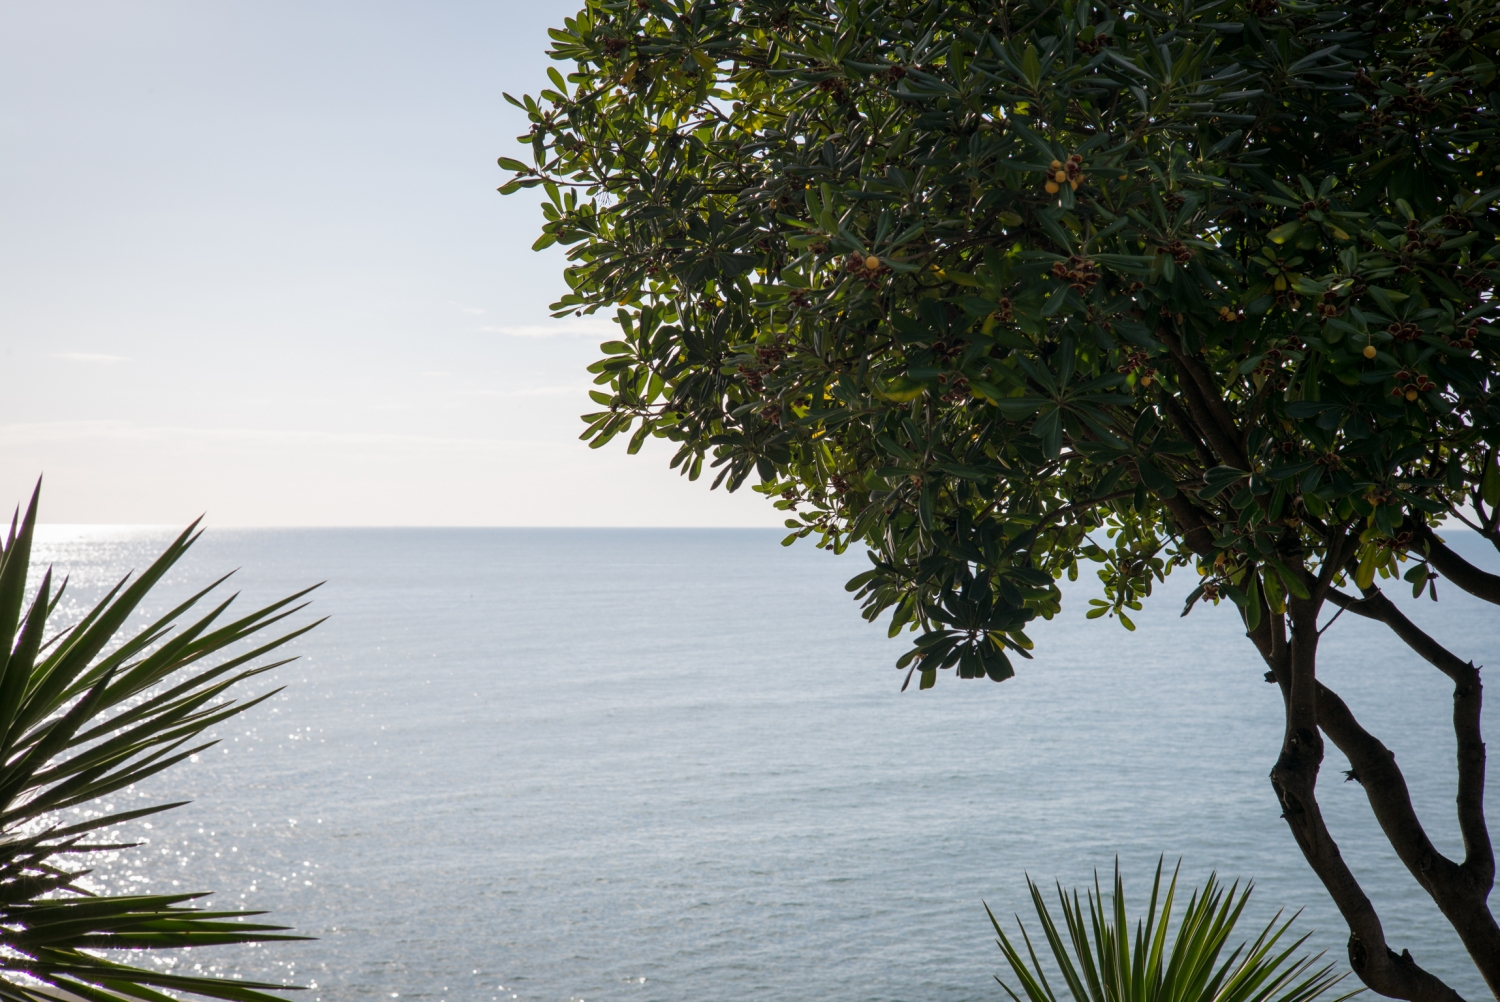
point(1145, 380)
point(1052, 188)
point(1056, 164)
point(1075, 183)
point(872, 262)
point(1060, 176)
point(1369, 351)
point(1411, 394)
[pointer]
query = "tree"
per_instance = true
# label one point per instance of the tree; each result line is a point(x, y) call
point(997, 288)
point(84, 714)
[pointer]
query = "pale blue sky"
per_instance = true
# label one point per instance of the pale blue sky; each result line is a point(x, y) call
point(254, 264)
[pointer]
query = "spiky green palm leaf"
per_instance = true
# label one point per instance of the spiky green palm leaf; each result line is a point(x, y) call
point(1099, 961)
point(83, 715)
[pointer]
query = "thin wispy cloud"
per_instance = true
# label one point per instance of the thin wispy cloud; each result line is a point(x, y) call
point(474, 310)
point(576, 327)
point(89, 358)
point(530, 391)
point(57, 432)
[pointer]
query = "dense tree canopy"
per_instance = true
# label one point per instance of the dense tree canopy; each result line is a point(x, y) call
point(994, 289)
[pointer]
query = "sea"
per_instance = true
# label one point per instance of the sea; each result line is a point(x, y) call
point(662, 765)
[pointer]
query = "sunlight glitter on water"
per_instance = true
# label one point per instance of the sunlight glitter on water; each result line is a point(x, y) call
point(658, 765)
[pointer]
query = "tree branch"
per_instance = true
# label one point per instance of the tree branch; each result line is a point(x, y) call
point(1480, 584)
point(1381, 609)
point(1190, 519)
point(1207, 407)
point(1187, 431)
point(1294, 778)
point(1468, 698)
point(1457, 888)
point(1460, 891)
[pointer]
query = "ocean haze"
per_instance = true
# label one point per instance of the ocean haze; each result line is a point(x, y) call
point(673, 765)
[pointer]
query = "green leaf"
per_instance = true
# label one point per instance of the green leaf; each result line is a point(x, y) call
point(902, 388)
point(1155, 480)
point(1031, 66)
point(1386, 299)
point(1017, 408)
point(1489, 482)
point(1291, 580)
point(1218, 478)
point(1283, 233)
point(1371, 556)
point(989, 392)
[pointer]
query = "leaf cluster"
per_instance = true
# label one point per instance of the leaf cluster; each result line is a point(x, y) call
point(1100, 961)
point(995, 288)
point(85, 713)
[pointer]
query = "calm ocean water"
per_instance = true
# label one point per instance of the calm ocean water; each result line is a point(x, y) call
point(642, 765)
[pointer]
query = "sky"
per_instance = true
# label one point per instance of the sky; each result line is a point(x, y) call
point(253, 264)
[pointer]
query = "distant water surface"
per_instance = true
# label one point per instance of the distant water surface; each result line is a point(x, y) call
point(675, 766)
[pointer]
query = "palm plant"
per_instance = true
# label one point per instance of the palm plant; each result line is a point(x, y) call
point(1100, 962)
point(82, 715)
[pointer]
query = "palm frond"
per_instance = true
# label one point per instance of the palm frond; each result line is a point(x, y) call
point(84, 713)
point(1100, 961)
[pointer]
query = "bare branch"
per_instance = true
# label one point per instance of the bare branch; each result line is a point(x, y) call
point(1460, 891)
point(1294, 778)
point(1480, 584)
point(1381, 609)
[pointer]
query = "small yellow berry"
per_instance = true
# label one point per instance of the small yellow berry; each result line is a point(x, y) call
point(1052, 188)
point(1411, 394)
point(1145, 380)
point(1056, 164)
point(1060, 176)
point(1369, 351)
point(872, 262)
